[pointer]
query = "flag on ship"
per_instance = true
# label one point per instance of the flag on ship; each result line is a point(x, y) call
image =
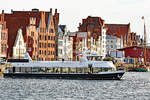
point(79, 54)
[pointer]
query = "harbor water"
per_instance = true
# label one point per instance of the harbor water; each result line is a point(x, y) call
point(133, 86)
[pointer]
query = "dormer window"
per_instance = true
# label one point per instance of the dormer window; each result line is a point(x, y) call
point(51, 31)
point(20, 43)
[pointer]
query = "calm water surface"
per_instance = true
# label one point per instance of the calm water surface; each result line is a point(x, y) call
point(133, 86)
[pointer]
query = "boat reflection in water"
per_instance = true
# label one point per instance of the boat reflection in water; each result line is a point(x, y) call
point(83, 69)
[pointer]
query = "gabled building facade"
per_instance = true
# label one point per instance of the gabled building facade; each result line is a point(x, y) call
point(32, 39)
point(19, 48)
point(65, 44)
point(38, 29)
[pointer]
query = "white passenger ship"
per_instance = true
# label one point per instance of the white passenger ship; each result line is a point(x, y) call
point(83, 69)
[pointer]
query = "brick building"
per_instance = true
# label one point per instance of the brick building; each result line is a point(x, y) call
point(121, 31)
point(3, 36)
point(136, 52)
point(38, 28)
point(96, 37)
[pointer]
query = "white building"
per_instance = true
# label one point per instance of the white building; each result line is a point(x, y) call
point(19, 48)
point(99, 45)
point(103, 42)
point(65, 44)
point(96, 46)
point(113, 43)
point(82, 44)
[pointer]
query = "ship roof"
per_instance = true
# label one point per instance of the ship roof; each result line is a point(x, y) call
point(66, 64)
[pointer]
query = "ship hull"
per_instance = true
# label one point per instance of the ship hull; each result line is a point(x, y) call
point(97, 76)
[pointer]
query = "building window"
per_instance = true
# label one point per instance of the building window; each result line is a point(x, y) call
point(51, 31)
point(32, 33)
point(60, 51)
point(60, 43)
point(29, 49)
point(5, 47)
point(45, 45)
point(2, 48)
point(53, 45)
point(45, 52)
point(49, 45)
point(103, 33)
point(40, 45)
point(48, 52)
point(40, 52)
point(17, 51)
point(40, 37)
point(29, 41)
point(20, 43)
point(45, 38)
point(48, 37)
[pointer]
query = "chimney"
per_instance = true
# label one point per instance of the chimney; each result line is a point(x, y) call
point(51, 10)
point(2, 11)
point(35, 10)
point(79, 24)
point(11, 10)
point(55, 10)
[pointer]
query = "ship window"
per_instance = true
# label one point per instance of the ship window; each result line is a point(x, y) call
point(72, 70)
point(79, 70)
point(64, 70)
point(96, 70)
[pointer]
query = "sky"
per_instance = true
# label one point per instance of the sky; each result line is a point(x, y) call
point(73, 11)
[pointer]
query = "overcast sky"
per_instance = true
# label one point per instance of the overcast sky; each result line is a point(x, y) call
point(73, 11)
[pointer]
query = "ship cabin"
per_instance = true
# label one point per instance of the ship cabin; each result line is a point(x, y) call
point(60, 67)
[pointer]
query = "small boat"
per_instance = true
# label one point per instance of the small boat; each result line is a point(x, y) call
point(143, 68)
point(83, 69)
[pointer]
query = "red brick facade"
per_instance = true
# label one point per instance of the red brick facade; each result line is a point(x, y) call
point(92, 25)
point(136, 52)
point(43, 28)
point(121, 31)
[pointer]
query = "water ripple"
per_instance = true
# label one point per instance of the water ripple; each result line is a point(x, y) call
point(133, 86)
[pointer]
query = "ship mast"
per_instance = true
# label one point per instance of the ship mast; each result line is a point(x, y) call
point(144, 41)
